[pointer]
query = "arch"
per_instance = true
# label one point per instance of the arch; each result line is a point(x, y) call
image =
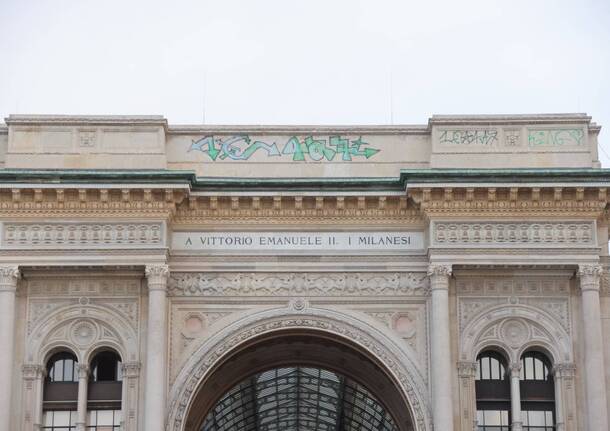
point(82, 330)
point(514, 328)
point(490, 346)
point(397, 362)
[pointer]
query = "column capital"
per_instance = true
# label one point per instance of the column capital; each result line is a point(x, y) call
point(9, 274)
point(515, 369)
point(590, 275)
point(566, 369)
point(83, 371)
point(436, 270)
point(157, 276)
point(131, 369)
point(467, 368)
point(33, 371)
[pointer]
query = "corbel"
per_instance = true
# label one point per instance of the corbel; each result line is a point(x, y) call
point(491, 194)
point(469, 194)
point(256, 203)
point(602, 194)
point(82, 195)
point(125, 195)
point(402, 202)
point(147, 195)
point(214, 202)
point(192, 202)
point(340, 202)
point(234, 203)
point(298, 203)
point(513, 193)
point(558, 193)
point(580, 193)
point(104, 195)
point(37, 195)
point(16, 193)
point(319, 202)
point(361, 202)
point(448, 192)
point(277, 203)
point(381, 201)
point(59, 193)
point(169, 195)
point(535, 193)
point(426, 195)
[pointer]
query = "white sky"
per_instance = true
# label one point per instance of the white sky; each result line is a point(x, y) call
point(306, 62)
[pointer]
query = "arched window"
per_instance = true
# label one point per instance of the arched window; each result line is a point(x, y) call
point(60, 393)
point(62, 368)
point(492, 388)
point(105, 392)
point(537, 390)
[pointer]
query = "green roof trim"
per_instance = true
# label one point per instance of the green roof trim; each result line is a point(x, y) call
point(182, 177)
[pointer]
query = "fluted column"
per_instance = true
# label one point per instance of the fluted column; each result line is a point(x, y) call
point(442, 405)
point(81, 406)
point(8, 286)
point(595, 373)
point(515, 397)
point(156, 348)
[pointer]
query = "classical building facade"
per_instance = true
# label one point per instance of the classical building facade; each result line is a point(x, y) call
point(448, 276)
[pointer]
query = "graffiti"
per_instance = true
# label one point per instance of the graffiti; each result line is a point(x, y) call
point(469, 137)
point(555, 137)
point(242, 147)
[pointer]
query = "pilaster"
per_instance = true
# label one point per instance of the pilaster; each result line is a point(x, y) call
point(9, 275)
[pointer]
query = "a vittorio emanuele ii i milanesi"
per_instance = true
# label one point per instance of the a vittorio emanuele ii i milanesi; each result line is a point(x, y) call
point(451, 276)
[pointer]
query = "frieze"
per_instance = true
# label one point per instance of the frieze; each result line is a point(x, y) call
point(82, 235)
point(82, 286)
point(273, 284)
point(513, 286)
point(495, 234)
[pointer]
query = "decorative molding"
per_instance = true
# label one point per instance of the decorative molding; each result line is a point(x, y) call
point(290, 284)
point(467, 369)
point(439, 270)
point(82, 235)
point(9, 275)
point(212, 352)
point(83, 287)
point(520, 234)
point(590, 277)
point(513, 286)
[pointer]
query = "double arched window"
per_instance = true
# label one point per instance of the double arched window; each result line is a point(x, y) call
point(493, 392)
point(103, 384)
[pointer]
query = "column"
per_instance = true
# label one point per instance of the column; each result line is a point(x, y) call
point(595, 373)
point(557, 376)
point(442, 405)
point(515, 397)
point(156, 348)
point(8, 286)
point(33, 379)
point(131, 374)
point(468, 407)
point(81, 406)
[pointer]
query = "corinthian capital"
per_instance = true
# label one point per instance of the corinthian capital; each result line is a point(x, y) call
point(157, 276)
point(9, 275)
point(435, 269)
point(589, 276)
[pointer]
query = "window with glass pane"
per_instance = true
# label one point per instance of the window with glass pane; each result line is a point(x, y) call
point(106, 367)
point(534, 366)
point(538, 420)
point(59, 420)
point(103, 420)
point(493, 420)
point(490, 367)
point(62, 368)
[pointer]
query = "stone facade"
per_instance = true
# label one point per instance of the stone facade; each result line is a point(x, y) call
point(175, 246)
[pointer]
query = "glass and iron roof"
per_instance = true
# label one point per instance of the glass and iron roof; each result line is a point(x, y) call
point(298, 399)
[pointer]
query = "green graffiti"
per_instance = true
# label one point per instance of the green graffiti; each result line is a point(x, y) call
point(555, 137)
point(241, 147)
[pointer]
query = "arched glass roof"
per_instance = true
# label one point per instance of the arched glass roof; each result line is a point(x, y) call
point(298, 399)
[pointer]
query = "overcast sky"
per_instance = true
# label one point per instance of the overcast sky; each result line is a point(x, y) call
point(305, 62)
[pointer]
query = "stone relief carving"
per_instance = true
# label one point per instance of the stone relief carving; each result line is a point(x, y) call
point(78, 235)
point(271, 284)
point(554, 234)
point(76, 286)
